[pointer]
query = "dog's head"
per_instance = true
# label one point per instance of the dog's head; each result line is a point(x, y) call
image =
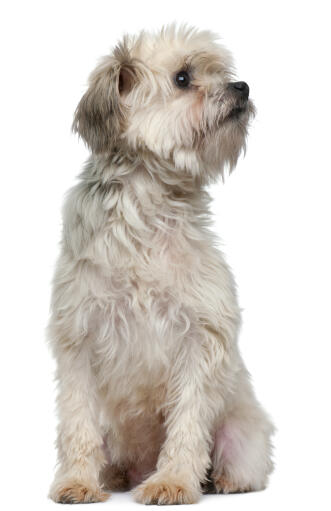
point(171, 95)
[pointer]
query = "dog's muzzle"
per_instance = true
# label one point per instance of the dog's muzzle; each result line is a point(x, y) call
point(240, 89)
point(239, 92)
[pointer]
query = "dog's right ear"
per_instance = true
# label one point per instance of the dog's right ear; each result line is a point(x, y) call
point(100, 114)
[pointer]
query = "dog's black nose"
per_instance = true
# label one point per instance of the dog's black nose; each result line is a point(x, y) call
point(240, 88)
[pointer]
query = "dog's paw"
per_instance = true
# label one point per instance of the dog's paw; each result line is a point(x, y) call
point(77, 493)
point(165, 491)
point(223, 484)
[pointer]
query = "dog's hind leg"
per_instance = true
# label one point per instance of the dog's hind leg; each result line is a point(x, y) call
point(242, 451)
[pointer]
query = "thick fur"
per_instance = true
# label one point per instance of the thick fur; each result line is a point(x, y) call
point(153, 393)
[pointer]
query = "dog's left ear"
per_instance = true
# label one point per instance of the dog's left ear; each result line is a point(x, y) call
point(100, 115)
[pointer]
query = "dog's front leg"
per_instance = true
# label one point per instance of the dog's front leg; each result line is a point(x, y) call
point(185, 454)
point(79, 440)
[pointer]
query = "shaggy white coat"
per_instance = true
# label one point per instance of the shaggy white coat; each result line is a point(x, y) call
point(153, 392)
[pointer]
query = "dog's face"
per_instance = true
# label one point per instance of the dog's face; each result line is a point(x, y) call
point(171, 95)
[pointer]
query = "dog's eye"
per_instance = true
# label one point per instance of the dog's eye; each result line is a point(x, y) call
point(182, 79)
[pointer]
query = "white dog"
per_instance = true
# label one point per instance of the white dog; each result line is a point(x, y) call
point(153, 393)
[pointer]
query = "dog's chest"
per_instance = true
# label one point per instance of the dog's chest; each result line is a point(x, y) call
point(142, 317)
point(133, 352)
point(146, 294)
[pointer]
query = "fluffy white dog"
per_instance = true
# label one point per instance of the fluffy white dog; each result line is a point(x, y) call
point(153, 393)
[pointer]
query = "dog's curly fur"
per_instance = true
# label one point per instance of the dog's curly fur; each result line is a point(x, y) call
point(153, 393)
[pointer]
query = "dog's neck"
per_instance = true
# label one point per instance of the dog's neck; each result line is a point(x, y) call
point(131, 204)
point(154, 183)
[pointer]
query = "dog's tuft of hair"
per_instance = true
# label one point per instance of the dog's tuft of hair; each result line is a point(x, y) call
point(144, 324)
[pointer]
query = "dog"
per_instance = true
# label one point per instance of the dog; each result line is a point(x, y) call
point(153, 394)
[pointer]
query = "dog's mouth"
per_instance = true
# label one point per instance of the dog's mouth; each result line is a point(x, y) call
point(241, 112)
point(236, 112)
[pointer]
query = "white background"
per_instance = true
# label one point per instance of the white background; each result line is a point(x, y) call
point(273, 215)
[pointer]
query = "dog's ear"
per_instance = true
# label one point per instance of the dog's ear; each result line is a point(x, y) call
point(100, 114)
